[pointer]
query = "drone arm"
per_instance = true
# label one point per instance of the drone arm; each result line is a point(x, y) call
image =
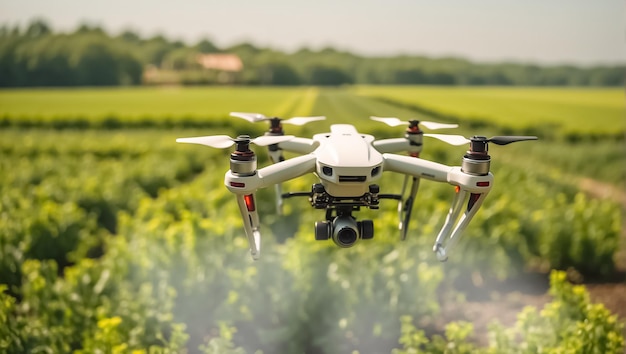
point(299, 145)
point(396, 145)
point(272, 174)
point(286, 170)
point(416, 167)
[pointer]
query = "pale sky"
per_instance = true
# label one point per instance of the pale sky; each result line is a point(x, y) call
point(543, 31)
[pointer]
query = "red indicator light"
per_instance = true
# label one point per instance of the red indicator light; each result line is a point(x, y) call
point(249, 199)
point(457, 189)
point(237, 184)
point(482, 184)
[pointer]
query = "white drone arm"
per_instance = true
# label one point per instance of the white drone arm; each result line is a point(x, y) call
point(272, 174)
point(416, 167)
point(396, 145)
point(300, 146)
point(244, 187)
point(471, 191)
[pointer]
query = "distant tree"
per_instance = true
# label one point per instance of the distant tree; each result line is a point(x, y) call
point(36, 56)
point(38, 28)
point(410, 77)
point(497, 78)
point(94, 63)
point(278, 74)
point(180, 59)
point(244, 50)
point(206, 46)
point(88, 28)
point(329, 76)
point(130, 36)
point(442, 78)
point(607, 76)
point(154, 50)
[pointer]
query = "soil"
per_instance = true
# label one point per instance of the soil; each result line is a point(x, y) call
point(503, 300)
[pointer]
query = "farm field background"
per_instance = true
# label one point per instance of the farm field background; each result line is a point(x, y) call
point(566, 110)
point(585, 110)
point(113, 236)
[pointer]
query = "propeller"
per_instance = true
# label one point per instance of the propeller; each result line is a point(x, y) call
point(498, 140)
point(258, 117)
point(224, 141)
point(394, 122)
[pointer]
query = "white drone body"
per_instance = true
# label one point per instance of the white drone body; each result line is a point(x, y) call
point(346, 161)
point(349, 166)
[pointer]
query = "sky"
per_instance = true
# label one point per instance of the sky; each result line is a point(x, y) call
point(581, 32)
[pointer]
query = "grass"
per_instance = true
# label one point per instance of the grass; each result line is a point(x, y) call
point(566, 110)
point(133, 103)
point(570, 110)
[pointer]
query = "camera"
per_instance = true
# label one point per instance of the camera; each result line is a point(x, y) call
point(344, 230)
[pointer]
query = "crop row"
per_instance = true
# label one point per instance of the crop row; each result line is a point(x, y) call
point(572, 112)
point(62, 191)
point(577, 113)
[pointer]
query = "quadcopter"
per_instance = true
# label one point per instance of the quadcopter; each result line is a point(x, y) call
point(349, 166)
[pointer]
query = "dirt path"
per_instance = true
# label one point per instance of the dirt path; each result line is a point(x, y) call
point(503, 300)
point(603, 190)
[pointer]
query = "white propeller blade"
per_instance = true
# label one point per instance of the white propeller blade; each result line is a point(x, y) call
point(450, 139)
point(215, 141)
point(391, 121)
point(224, 141)
point(302, 120)
point(435, 126)
point(394, 122)
point(265, 140)
point(250, 117)
point(258, 117)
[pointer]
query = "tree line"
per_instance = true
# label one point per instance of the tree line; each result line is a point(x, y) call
point(89, 56)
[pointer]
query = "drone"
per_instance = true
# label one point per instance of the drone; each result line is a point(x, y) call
point(349, 166)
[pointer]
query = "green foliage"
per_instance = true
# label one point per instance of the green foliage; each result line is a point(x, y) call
point(456, 340)
point(40, 58)
point(541, 223)
point(568, 324)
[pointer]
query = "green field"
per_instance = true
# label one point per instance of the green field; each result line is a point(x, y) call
point(567, 110)
point(145, 106)
point(151, 102)
point(580, 110)
point(113, 238)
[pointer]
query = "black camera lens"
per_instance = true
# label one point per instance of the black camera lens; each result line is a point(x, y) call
point(347, 236)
